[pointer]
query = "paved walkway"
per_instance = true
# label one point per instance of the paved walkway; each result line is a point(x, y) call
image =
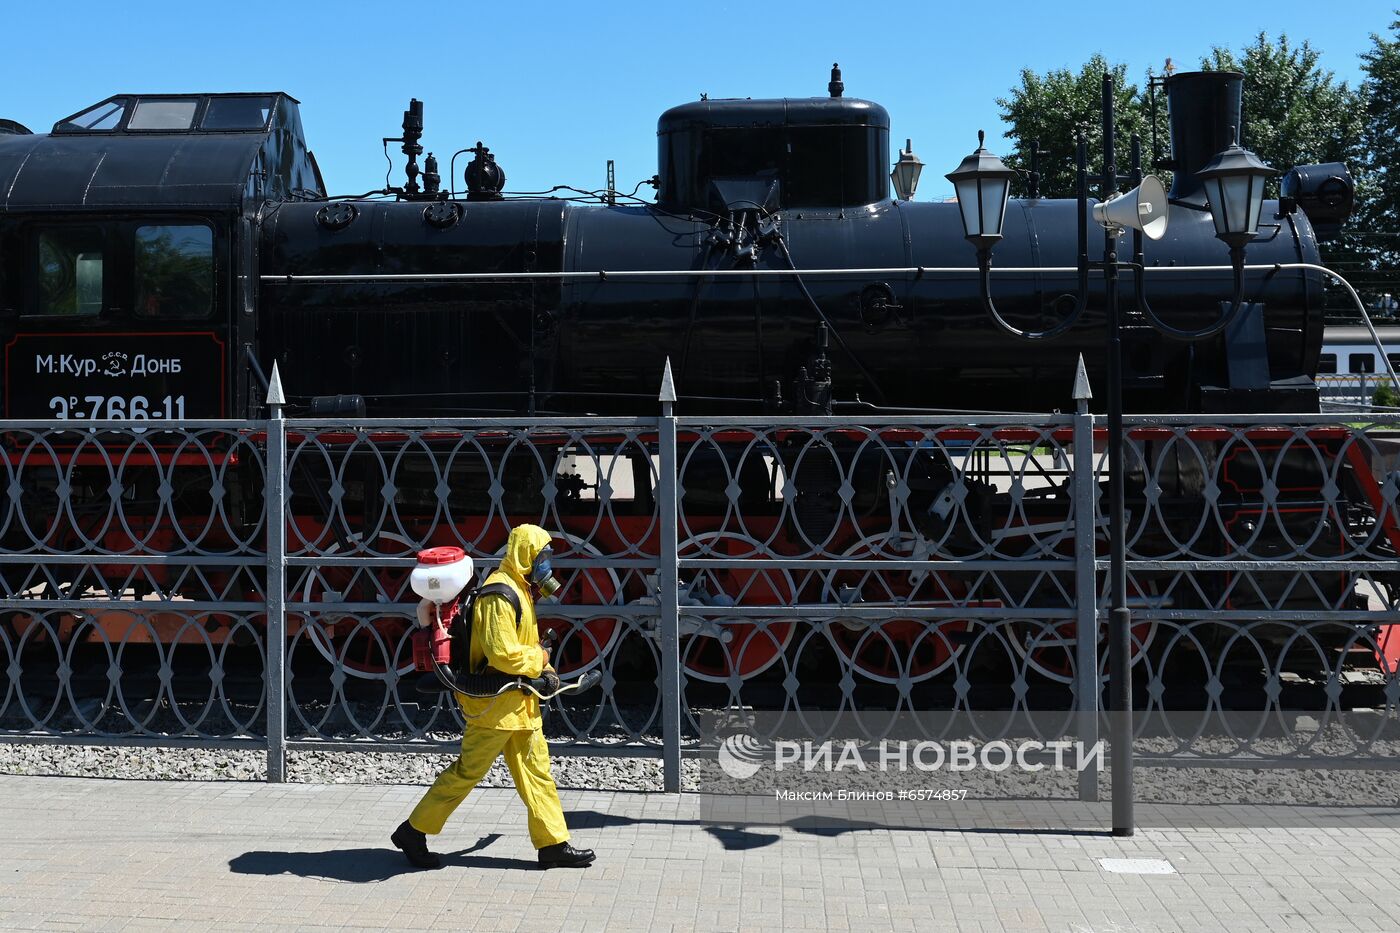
point(97, 854)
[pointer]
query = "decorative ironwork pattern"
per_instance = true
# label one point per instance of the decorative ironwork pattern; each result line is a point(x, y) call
point(133, 671)
point(890, 567)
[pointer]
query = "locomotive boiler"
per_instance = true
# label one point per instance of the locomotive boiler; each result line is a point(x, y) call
point(591, 300)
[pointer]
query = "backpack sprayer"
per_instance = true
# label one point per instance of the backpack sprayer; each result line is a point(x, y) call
point(441, 577)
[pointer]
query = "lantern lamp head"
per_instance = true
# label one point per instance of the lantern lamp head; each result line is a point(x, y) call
point(1234, 182)
point(983, 185)
point(906, 172)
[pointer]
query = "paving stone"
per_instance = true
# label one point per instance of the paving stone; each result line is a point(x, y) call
point(131, 855)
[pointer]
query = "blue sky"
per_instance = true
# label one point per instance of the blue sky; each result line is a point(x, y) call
point(557, 89)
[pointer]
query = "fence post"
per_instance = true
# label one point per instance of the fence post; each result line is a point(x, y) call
point(276, 501)
point(1086, 589)
point(668, 597)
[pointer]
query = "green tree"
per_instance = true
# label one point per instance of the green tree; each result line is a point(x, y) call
point(1295, 112)
point(1053, 106)
point(1377, 226)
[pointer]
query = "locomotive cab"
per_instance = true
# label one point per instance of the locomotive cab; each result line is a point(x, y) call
point(127, 250)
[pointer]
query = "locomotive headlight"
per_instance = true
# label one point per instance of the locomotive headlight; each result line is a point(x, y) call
point(982, 183)
point(905, 175)
point(1235, 191)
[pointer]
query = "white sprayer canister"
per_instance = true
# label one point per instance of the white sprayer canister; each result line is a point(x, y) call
point(442, 573)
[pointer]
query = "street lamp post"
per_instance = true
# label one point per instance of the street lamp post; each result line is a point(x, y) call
point(1120, 618)
point(1235, 191)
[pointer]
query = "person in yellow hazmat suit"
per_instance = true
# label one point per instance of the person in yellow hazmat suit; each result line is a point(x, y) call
point(508, 724)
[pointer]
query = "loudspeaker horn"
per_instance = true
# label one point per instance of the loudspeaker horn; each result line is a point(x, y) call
point(1144, 208)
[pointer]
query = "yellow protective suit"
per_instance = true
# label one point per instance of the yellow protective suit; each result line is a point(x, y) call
point(509, 724)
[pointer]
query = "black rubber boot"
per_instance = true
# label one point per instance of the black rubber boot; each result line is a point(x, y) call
point(563, 855)
point(414, 845)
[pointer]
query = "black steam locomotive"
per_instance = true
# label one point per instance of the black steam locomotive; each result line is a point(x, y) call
point(158, 251)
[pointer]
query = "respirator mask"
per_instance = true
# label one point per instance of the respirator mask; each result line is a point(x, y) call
point(542, 576)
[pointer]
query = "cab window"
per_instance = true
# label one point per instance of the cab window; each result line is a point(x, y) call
point(174, 271)
point(237, 113)
point(70, 271)
point(103, 118)
point(162, 115)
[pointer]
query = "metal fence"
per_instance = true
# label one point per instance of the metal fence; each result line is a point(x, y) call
point(1347, 390)
point(883, 567)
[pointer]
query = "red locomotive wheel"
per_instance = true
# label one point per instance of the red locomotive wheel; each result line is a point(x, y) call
point(890, 651)
point(1050, 649)
point(354, 644)
point(745, 647)
point(343, 639)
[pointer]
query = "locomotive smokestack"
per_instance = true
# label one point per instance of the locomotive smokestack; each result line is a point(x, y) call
point(836, 87)
point(1204, 109)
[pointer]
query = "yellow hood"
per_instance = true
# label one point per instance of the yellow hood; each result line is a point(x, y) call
point(522, 547)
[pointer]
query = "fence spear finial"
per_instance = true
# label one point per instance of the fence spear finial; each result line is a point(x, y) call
point(275, 395)
point(668, 384)
point(1081, 391)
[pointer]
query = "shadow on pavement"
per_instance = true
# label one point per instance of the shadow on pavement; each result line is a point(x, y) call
point(735, 839)
point(363, 866)
point(735, 835)
point(366, 866)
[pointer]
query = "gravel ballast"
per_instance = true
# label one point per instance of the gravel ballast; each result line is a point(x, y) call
point(309, 767)
point(1172, 785)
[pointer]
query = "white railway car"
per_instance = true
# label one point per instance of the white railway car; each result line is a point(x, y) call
point(1350, 368)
